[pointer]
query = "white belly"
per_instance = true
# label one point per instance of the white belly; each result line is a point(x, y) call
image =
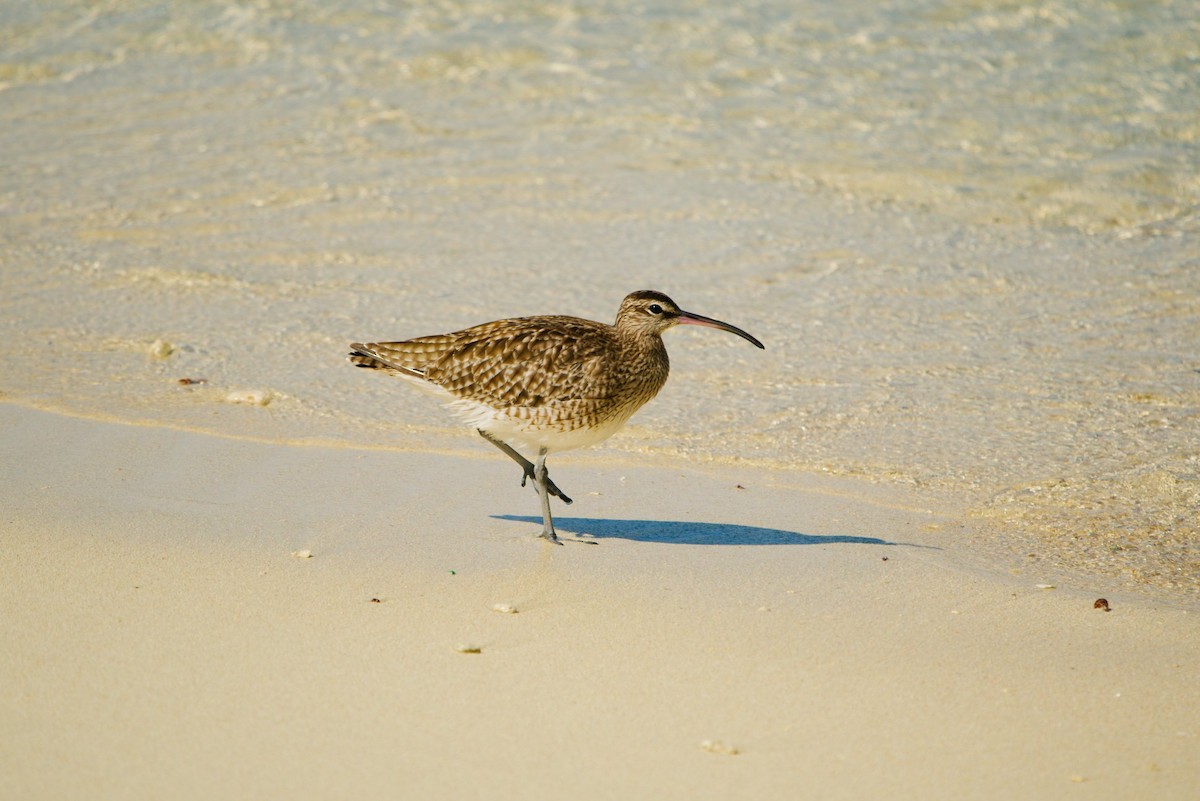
point(523, 434)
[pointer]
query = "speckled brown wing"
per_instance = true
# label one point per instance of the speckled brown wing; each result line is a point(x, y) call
point(529, 362)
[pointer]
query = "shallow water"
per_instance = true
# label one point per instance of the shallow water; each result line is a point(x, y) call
point(965, 231)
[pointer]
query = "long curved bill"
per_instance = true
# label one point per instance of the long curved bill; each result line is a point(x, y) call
point(687, 318)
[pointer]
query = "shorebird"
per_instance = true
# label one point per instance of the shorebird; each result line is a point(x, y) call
point(545, 384)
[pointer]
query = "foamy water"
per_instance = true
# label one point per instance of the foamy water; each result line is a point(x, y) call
point(966, 232)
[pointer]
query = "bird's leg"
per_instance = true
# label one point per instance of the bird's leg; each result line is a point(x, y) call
point(527, 466)
point(541, 480)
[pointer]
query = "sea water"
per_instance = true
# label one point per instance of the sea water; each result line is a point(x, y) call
point(966, 231)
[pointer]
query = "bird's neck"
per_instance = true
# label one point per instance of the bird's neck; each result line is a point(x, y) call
point(647, 356)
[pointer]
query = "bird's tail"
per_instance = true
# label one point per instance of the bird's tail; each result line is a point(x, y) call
point(369, 356)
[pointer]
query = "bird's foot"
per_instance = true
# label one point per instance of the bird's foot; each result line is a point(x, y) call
point(556, 492)
point(550, 536)
point(551, 487)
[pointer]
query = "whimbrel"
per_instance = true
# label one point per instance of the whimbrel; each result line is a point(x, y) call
point(545, 384)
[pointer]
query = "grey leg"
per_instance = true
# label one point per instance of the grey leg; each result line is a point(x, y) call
point(527, 467)
point(540, 483)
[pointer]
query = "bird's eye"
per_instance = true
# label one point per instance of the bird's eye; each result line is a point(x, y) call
point(654, 308)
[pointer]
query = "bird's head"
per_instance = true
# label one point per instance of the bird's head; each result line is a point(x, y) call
point(648, 312)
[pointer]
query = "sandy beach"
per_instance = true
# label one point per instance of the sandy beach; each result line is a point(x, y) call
point(861, 563)
point(692, 640)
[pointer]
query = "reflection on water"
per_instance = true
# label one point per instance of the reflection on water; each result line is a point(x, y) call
point(1071, 113)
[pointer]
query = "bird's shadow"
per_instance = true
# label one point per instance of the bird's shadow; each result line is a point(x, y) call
point(683, 532)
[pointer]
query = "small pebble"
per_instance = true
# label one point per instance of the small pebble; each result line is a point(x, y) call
point(468, 649)
point(302, 554)
point(161, 349)
point(251, 397)
point(1102, 603)
point(507, 609)
point(1045, 586)
point(718, 747)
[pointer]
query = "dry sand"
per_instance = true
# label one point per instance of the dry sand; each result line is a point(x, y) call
point(187, 616)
